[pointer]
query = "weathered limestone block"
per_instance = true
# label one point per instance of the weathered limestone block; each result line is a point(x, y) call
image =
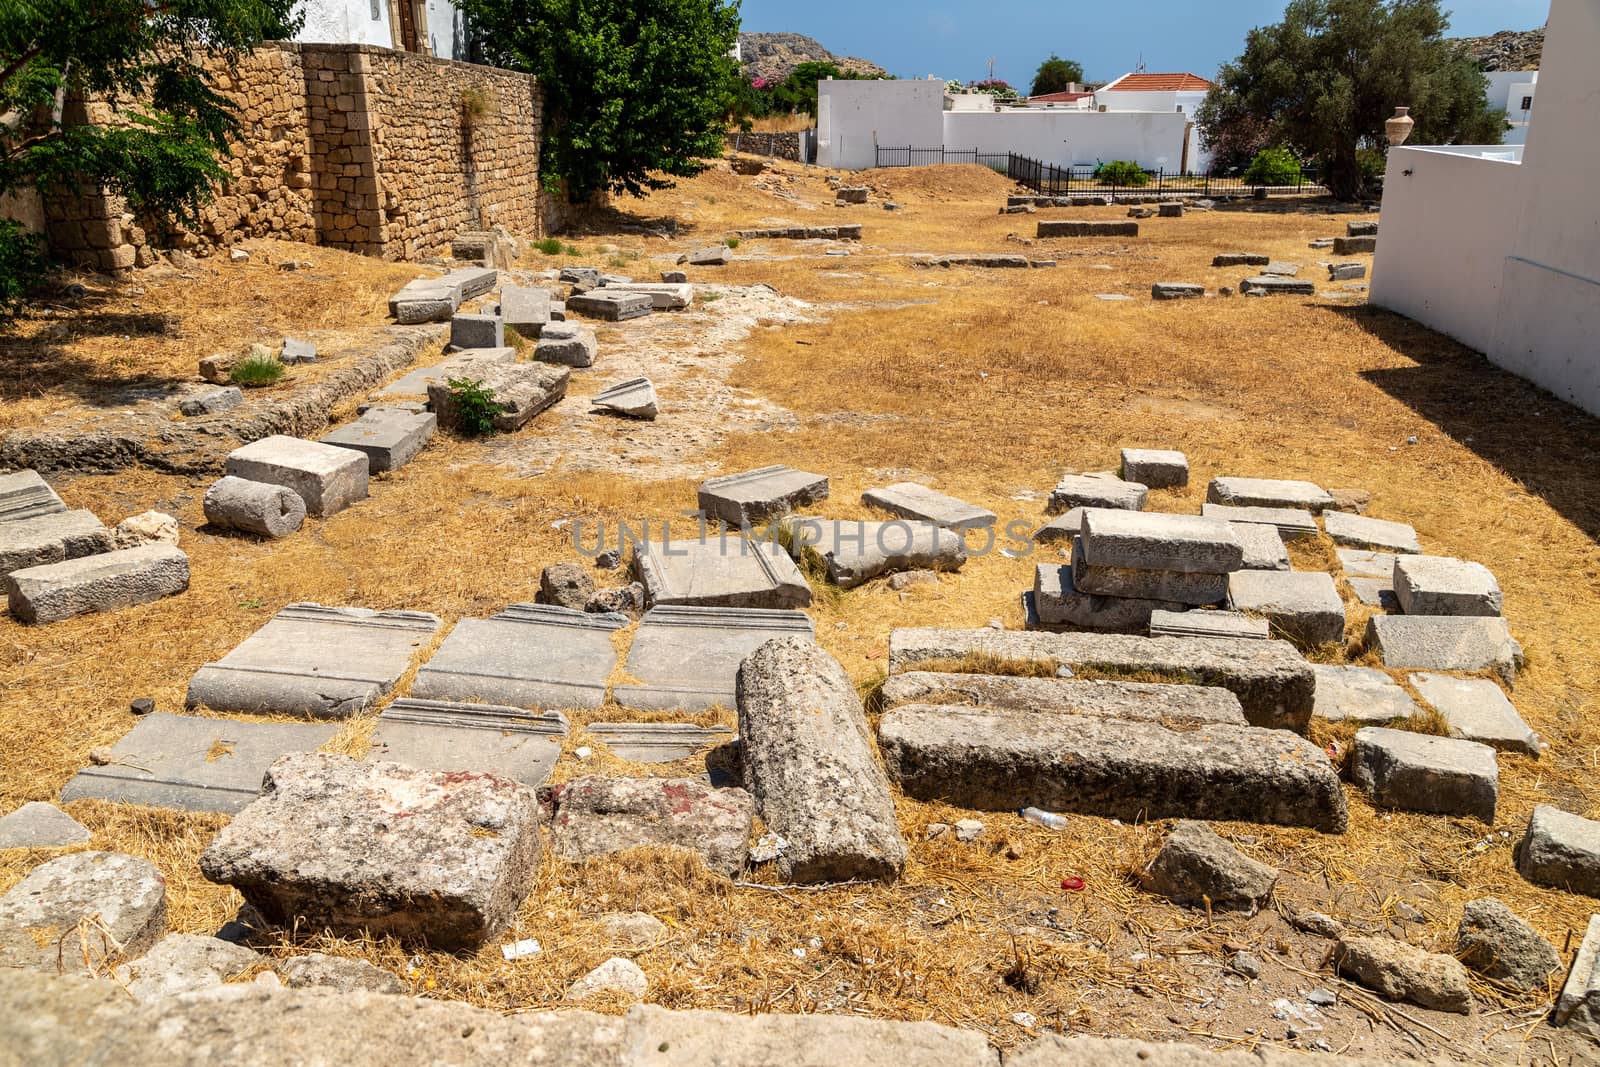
point(107, 581)
point(1262, 545)
point(321, 971)
point(1345, 272)
point(527, 656)
point(1159, 542)
point(524, 309)
point(1240, 259)
point(212, 401)
point(1268, 493)
point(1274, 285)
point(688, 657)
point(328, 479)
point(1350, 246)
point(1303, 606)
point(1157, 468)
point(1477, 710)
point(1439, 585)
point(1362, 531)
point(1494, 941)
point(1141, 701)
point(1561, 849)
point(611, 305)
point(1445, 643)
point(1057, 601)
point(185, 963)
point(751, 496)
point(592, 817)
point(41, 913)
point(566, 344)
point(522, 390)
point(391, 438)
point(857, 552)
point(1415, 772)
point(912, 501)
point(1095, 491)
point(635, 397)
point(1197, 868)
point(255, 507)
point(1079, 228)
point(1176, 291)
point(1182, 623)
point(718, 572)
point(1578, 1007)
point(40, 825)
point(477, 331)
point(1291, 523)
point(663, 297)
point(1181, 587)
point(25, 495)
point(1362, 694)
point(51, 538)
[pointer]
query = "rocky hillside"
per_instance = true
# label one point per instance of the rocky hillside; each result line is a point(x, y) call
point(774, 55)
point(1508, 49)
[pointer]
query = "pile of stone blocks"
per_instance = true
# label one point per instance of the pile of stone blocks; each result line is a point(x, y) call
point(435, 299)
point(326, 477)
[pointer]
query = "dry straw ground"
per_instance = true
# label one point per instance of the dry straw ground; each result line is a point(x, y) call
point(988, 385)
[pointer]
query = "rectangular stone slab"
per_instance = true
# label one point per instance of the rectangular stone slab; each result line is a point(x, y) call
point(609, 305)
point(591, 817)
point(1057, 601)
point(25, 495)
point(107, 581)
point(524, 309)
point(1273, 682)
point(1361, 563)
point(1090, 491)
point(1563, 850)
point(999, 761)
point(51, 538)
point(1161, 585)
point(327, 478)
point(474, 331)
point(460, 365)
point(1086, 228)
point(1478, 710)
point(1374, 592)
point(1290, 522)
point(1304, 606)
point(1578, 1006)
point(1271, 285)
point(1064, 527)
point(728, 572)
point(664, 296)
point(657, 742)
point(912, 501)
point(750, 496)
point(527, 656)
point(1268, 493)
point(1440, 585)
point(1262, 545)
point(1445, 643)
point(389, 438)
point(327, 663)
point(1416, 772)
point(856, 552)
point(1158, 468)
point(685, 657)
point(1142, 701)
point(1159, 542)
point(193, 764)
point(1361, 531)
point(444, 736)
point(1360, 694)
point(1208, 624)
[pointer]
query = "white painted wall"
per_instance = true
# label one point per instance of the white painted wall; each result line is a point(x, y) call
point(446, 30)
point(853, 117)
point(346, 22)
point(1072, 137)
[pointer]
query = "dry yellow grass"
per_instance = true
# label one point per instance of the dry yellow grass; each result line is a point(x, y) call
point(988, 385)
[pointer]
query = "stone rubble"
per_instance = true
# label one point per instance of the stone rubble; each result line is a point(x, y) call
point(1197, 868)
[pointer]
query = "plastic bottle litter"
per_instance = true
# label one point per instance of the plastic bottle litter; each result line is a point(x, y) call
point(1047, 819)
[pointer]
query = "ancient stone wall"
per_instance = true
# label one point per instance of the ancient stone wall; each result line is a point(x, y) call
point(781, 145)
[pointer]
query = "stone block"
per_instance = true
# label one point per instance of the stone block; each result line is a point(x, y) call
point(728, 572)
point(912, 501)
point(1365, 564)
point(193, 764)
point(1352, 246)
point(1498, 944)
point(714, 256)
point(1578, 1006)
point(1064, 527)
point(382, 849)
point(1273, 285)
point(657, 742)
point(1171, 210)
point(1240, 259)
point(1157, 541)
point(1439, 585)
point(1291, 523)
point(40, 825)
point(1477, 710)
point(468, 364)
point(477, 331)
point(443, 736)
point(1416, 772)
point(1359, 694)
point(1302, 606)
point(674, 277)
point(566, 344)
point(389, 438)
point(747, 498)
point(1444, 643)
point(1281, 270)
point(1156, 468)
point(212, 401)
point(687, 658)
point(611, 305)
point(1174, 587)
point(1346, 272)
point(186, 963)
point(1138, 701)
point(1083, 228)
point(1095, 491)
point(1176, 291)
point(107, 581)
point(1361, 531)
point(663, 297)
point(854, 553)
point(1057, 601)
point(1561, 849)
point(522, 390)
point(524, 309)
point(852, 194)
point(635, 397)
point(51, 538)
point(1197, 868)
point(579, 275)
point(328, 479)
point(810, 765)
point(1180, 623)
point(25, 495)
point(39, 916)
point(1262, 546)
point(1361, 229)
point(325, 663)
point(1374, 592)
point(295, 351)
point(254, 507)
point(993, 760)
point(1401, 971)
point(591, 817)
point(1268, 493)
point(336, 974)
point(527, 656)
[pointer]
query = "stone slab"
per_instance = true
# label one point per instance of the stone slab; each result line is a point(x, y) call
point(1440, 585)
point(1139, 701)
point(461, 365)
point(527, 656)
point(522, 391)
point(1261, 545)
point(25, 495)
point(592, 817)
point(751, 496)
point(610, 305)
point(1291, 523)
point(1477, 710)
point(51, 538)
point(193, 764)
point(1374, 592)
point(1064, 527)
point(1361, 563)
point(663, 296)
point(1273, 285)
point(912, 501)
point(1359, 694)
point(1561, 849)
point(1157, 468)
point(1361, 229)
point(1268, 493)
point(1303, 606)
point(107, 581)
point(856, 552)
point(40, 825)
point(729, 572)
point(475, 331)
point(328, 479)
point(1176, 291)
point(1417, 772)
point(1164, 623)
point(1273, 682)
point(39, 916)
point(1345, 272)
point(1095, 491)
point(524, 309)
point(322, 662)
point(1174, 587)
point(1445, 643)
point(1190, 544)
point(1086, 228)
point(1350, 246)
point(688, 657)
point(1578, 1006)
point(712, 256)
point(657, 742)
point(1240, 259)
point(1056, 601)
point(212, 401)
point(635, 397)
point(438, 735)
point(389, 438)
point(566, 344)
point(1281, 270)
point(1362, 531)
point(1000, 761)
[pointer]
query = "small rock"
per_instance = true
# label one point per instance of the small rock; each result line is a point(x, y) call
point(769, 847)
point(40, 825)
point(674, 277)
point(185, 963)
point(1406, 913)
point(615, 977)
point(1355, 500)
point(634, 929)
point(626, 600)
point(565, 585)
point(1195, 866)
point(906, 579)
point(968, 829)
point(1245, 964)
point(1496, 943)
point(319, 970)
point(238, 255)
point(609, 560)
point(102, 756)
point(142, 706)
point(935, 830)
point(297, 352)
point(149, 527)
point(1064, 671)
point(1322, 998)
point(1315, 922)
point(521, 950)
point(1404, 972)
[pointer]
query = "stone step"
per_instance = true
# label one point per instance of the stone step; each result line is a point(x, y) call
point(1303, 606)
point(1477, 710)
point(1439, 585)
point(1362, 531)
point(389, 438)
point(1172, 586)
point(107, 581)
point(1056, 601)
point(1359, 694)
point(1291, 523)
point(657, 742)
point(1165, 623)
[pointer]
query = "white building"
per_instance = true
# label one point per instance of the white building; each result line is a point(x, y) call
point(431, 27)
point(1512, 91)
point(1499, 247)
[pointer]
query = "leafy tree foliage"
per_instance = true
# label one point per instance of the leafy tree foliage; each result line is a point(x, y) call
point(1056, 75)
point(1322, 82)
point(1273, 166)
point(633, 89)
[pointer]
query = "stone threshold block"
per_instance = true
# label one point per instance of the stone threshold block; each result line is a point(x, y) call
point(1137, 701)
point(1262, 545)
point(1086, 228)
point(527, 656)
point(1416, 772)
point(1477, 710)
point(1171, 586)
point(1359, 694)
point(1155, 467)
point(992, 261)
point(1291, 523)
point(52, 538)
point(523, 390)
point(390, 438)
point(687, 658)
point(635, 398)
point(1578, 1006)
point(1154, 541)
point(1361, 531)
point(657, 742)
point(1056, 601)
point(25, 495)
point(1274, 285)
point(437, 735)
point(382, 849)
point(1439, 585)
point(998, 761)
point(912, 501)
point(1303, 606)
point(724, 572)
point(1273, 682)
point(1095, 491)
point(591, 817)
point(1180, 623)
point(746, 498)
point(108, 581)
point(664, 296)
point(325, 663)
point(1268, 493)
point(610, 305)
point(40, 914)
point(854, 552)
point(193, 764)
point(328, 479)
point(468, 364)
point(1561, 849)
point(1445, 643)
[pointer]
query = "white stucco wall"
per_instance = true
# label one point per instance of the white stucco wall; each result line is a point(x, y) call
point(446, 30)
point(1072, 137)
point(346, 22)
point(853, 117)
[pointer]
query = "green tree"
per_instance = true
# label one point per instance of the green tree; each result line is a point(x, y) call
point(1322, 82)
point(1056, 75)
point(632, 90)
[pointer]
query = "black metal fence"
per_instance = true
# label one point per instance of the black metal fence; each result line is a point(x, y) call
point(927, 157)
point(1050, 179)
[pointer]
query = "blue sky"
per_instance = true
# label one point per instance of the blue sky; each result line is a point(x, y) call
point(956, 40)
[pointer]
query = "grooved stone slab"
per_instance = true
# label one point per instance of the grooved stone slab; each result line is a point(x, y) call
point(592, 817)
point(1155, 467)
point(1348, 528)
point(912, 501)
point(103, 582)
point(328, 479)
point(635, 397)
point(1289, 522)
point(1578, 1007)
point(1141, 701)
point(1092, 491)
point(527, 656)
point(1416, 772)
point(443, 736)
point(1057, 601)
point(193, 764)
point(657, 742)
point(1159, 585)
point(1562, 850)
point(1439, 585)
point(857, 552)
point(468, 364)
point(25, 495)
point(685, 657)
point(1262, 546)
point(51, 538)
point(1085, 228)
point(1273, 682)
point(1159, 542)
point(1443, 643)
point(1273, 285)
point(1001, 761)
point(610, 305)
point(39, 916)
point(1359, 694)
point(1268, 493)
point(1208, 624)
point(1304, 606)
point(749, 497)
point(390, 438)
point(328, 663)
point(726, 572)
point(1478, 710)
point(40, 825)
point(664, 296)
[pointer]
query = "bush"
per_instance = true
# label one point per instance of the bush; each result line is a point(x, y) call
point(1372, 162)
point(476, 405)
point(257, 369)
point(1273, 166)
point(21, 265)
point(732, 242)
point(550, 246)
point(1124, 172)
